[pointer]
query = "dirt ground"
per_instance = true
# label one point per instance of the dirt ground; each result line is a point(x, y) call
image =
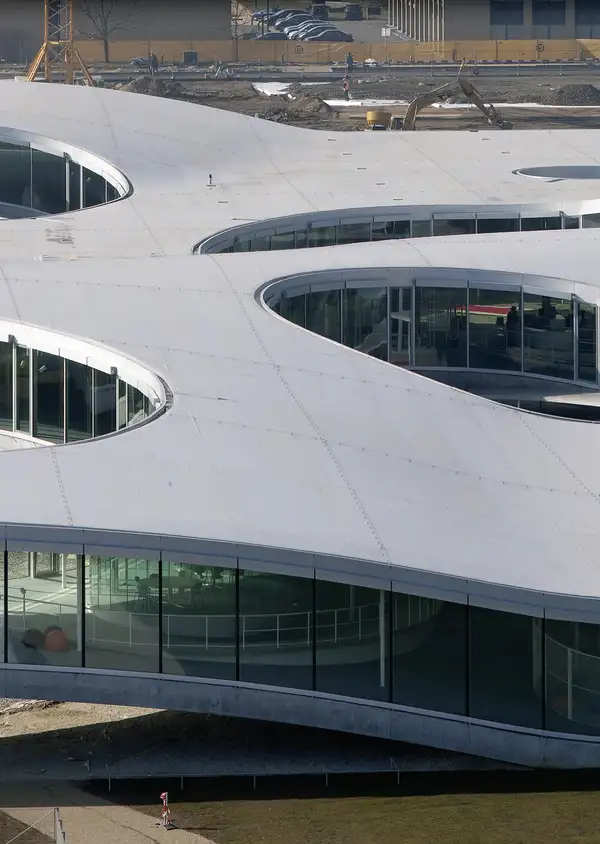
point(309, 112)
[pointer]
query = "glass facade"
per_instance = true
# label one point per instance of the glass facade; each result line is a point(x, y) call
point(228, 619)
point(313, 235)
point(470, 326)
point(49, 183)
point(60, 400)
point(548, 347)
point(440, 326)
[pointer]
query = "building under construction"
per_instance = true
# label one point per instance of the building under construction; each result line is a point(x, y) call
point(436, 20)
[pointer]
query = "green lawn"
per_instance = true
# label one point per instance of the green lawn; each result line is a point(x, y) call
point(549, 817)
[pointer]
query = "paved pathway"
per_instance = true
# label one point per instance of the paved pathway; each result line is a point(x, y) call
point(88, 819)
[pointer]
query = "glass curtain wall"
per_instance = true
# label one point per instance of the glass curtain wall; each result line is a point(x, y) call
point(587, 369)
point(494, 329)
point(548, 336)
point(441, 326)
point(49, 392)
point(6, 386)
point(45, 608)
point(381, 229)
point(276, 629)
point(207, 619)
point(366, 321)
point(199, 628)
point(60, 400)
point(430, 327)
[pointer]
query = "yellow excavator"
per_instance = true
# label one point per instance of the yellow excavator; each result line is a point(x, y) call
point(450, 89)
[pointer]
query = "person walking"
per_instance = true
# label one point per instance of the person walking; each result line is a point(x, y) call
point(346, 88)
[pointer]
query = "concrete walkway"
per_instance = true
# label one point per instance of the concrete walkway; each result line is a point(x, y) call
point(88, 819)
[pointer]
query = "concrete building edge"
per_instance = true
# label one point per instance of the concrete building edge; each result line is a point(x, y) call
point(501, 742)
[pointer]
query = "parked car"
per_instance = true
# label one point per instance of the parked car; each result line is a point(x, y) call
point(289, 30)
point(330, 35)
point(272, 36)
point(288, 20)
point(353, 12)
point(303, 34)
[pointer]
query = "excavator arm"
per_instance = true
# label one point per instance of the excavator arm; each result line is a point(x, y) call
point(461, 86)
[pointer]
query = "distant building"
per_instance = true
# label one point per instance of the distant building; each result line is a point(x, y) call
point(431, 20)
point(22, 28)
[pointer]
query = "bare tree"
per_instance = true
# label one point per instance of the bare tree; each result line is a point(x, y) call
point(105, 17)
point(237, 19)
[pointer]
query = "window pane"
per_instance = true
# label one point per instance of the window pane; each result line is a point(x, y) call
point(105, 403)
point(493, 225)
point(505, 668)
point(534, 224)
point(587, 368)
point(199, 620)
point(122, 417)
point(590, 221)
point(323, 313)
point(48, 180)
point(365, 325)
point(15, 170)
point(548, 336)
point(135, 406)
point(573, 677)
point(79, 401)
point(400, 331)
point(394, 229)
point(449, 227)
point(549, 12)
point(6, 386)
point(323, 236)
point(282, 241)
point(587, 12)
point(441, 326)
point(111, 193)
point(294, 309)
point(261, 243)
point(353, 233)
point(570, 222)
point(430, 654)
point(44, 608)
point(276, 629)
point(49, 423)
point(94, 189)
point(494, 329)
point(121, 623)
point(352, 641)
point(421, 228)
point(22, 389)
point(241, 246)
point(74, 186)
point(301, 239)
point(506, 12)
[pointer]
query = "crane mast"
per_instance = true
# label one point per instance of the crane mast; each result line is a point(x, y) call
point(58, 53)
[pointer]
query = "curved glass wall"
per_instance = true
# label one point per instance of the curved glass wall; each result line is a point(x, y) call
point(233, 619)
point(59, 400)
point(390, 227)
point(469, 326)
point(34, 182)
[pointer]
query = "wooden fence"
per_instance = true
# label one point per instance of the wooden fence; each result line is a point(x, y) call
point(294, 52)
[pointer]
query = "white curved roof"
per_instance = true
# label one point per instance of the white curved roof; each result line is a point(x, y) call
point(276, 437)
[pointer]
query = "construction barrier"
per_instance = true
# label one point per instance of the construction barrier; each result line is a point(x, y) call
point(295, 52)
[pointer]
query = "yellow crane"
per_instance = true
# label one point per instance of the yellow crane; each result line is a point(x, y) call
point(58, 53)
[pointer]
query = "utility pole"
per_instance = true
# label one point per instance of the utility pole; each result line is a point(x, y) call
point(58, 51)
